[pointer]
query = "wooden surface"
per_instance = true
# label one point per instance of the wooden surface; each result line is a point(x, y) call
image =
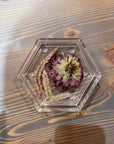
point(22, 22)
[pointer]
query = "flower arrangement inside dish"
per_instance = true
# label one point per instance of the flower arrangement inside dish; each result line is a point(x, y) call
point(59, 74)
point(64, 69)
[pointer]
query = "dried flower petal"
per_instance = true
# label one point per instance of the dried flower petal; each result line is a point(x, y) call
point(66, 71)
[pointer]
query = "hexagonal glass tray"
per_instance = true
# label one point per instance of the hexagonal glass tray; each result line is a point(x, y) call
point(26, 76)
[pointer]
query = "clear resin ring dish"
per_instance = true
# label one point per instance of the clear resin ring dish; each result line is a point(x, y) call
point(33, 75)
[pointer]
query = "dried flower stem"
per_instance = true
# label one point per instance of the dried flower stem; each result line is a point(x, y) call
point(38, 81)
point(46, 85)
point(39, 73)
point(60, 96)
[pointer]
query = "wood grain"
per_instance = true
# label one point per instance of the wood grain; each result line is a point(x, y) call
point(22, 23)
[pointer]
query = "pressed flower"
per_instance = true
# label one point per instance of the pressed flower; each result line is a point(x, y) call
point(61, 96)
point(39, 73)
point(66, 71)
point(46, 85)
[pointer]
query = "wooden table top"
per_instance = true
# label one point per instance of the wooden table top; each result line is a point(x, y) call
point(21, 24)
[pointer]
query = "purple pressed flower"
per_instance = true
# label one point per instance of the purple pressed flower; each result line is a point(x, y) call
point(66, 71)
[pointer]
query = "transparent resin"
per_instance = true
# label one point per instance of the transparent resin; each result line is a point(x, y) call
point(26, 76)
